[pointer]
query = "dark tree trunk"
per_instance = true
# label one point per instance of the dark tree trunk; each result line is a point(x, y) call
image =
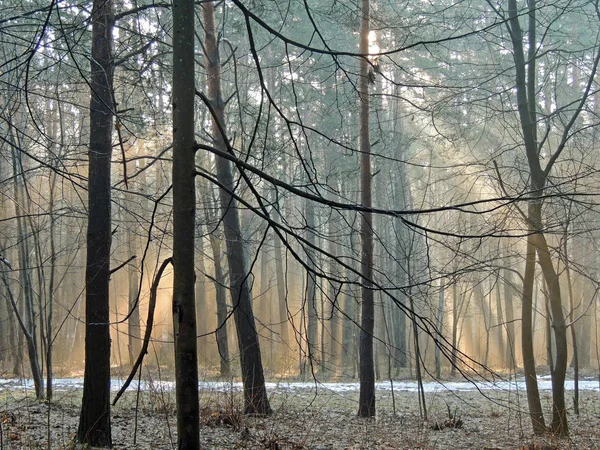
point(201, 326)
point(510, 319)
point(559, 370)
point(366, 402)
point(525, 77)
point(184, 211)
point(26, 287)
point(499, 323)
point(94, 424)
point(398, 315)
point(281, 297)
point(255, 393)
point(221, 300)
point(455, 321)
point(533, 396)
point(312, 329)
point(133, 323)
point(439, 323)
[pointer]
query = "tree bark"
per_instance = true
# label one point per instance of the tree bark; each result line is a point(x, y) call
point(525, 76)
point(533, 396)
point(439, 322)
point(366, 401)
point(255, 393)
point(510, 318)
point(30, 332)
point(201, 326)
point(312, 333)
point(221, 300)
point(94, 423)
point(184, 211)
point(281, 298)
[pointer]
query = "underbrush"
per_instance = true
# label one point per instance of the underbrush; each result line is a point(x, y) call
point(315, 419)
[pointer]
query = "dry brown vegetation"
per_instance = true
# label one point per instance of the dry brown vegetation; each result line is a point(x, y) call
point(303, 419)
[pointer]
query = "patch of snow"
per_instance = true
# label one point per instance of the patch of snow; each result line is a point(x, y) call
point(544, 384)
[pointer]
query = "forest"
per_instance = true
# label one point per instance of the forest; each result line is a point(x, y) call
point(299, 224)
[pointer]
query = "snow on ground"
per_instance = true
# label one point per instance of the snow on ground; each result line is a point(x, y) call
point(544, 383)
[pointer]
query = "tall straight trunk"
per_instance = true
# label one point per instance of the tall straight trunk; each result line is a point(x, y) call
point(312, 327)
point(335, 299)
point(201, 326)
point(51, 290)
point(222, 315)
point(30, 332)
point(418, 360)
point(282, 305)
point(455, 321)
point(133, 323)
point(510, 319)
point(184, 212)
point(482, 301)
point(440, 325)
point(366, 402)
point(255, 392)
point(575, 361)
point(265, 310)
point(348, 327)
point(584, 295)
point(57, 136)
point(499, 323)
point(133, 269)
point(398, 316)
point(94, 423)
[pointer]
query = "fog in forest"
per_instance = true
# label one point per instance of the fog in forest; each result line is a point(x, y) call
point(267, 191)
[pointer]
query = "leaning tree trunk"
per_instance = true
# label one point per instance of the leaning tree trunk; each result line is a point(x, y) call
point(255, 392)
point(366, 402)
point(184, 211)
point(94, 423)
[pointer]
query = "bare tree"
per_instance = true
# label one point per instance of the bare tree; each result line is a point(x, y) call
point(184, 212)
point(94, 422)
point(366, 402)
point(255, 393)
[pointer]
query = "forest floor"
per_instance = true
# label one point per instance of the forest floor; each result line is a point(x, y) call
point(306, 418)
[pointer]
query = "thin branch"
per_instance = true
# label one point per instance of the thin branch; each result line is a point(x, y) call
point(148, 332)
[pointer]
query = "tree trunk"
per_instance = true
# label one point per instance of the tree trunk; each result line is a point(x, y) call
point(439, 322)
point(184, 211)
point(30, 332)
point(533, 396)
point(335, 297)
point(455, 321)
point(510, 319)
point(222, 315)
point(94, 423)
point(499, 324)
point(281, 298)
point(311, 289)
point(133, 323)
point(525, 77)
point(255, 393)
point(559, 408)
point(366, 401)
point(201, 326)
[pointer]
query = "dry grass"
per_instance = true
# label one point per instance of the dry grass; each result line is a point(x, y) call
point(302, 419)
